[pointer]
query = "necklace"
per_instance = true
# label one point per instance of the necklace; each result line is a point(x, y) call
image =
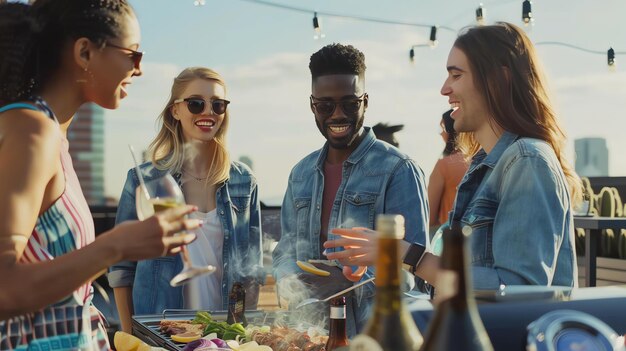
point(194, 177)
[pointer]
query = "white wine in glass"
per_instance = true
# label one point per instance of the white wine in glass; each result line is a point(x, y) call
point(159, 195)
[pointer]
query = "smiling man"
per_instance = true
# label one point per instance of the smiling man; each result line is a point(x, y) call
point(346, 183)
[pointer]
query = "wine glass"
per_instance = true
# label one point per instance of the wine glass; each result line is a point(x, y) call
point(158, 195)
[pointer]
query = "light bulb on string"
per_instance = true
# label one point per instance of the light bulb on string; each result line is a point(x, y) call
point(610, 59)
point(527, 13)
point(433, 36)
point(412, 55)
point(480, 15)
point(199, 2)
point(316, 28)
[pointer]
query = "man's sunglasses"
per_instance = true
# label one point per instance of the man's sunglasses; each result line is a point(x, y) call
point(135, 56)
point(198, 105)
point(326, 108)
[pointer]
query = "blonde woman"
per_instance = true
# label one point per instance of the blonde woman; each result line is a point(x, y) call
point(191, 145)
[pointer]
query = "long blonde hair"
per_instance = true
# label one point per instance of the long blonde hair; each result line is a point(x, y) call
point(516, 96)
point(167, 150)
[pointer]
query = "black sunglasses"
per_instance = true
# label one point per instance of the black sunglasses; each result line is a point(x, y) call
point(135, 56)
point(326, 108)
point(197, 105)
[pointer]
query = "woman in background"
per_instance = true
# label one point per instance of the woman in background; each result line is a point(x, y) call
point(191, 145)
point(446, 176)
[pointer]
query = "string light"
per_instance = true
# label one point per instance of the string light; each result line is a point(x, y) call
point(610, 54)
point(610, 58)
point(199, 3)
point(480, 15)
point(316, 28)
point(527, 18)
point(433, 36)
point(527, 13)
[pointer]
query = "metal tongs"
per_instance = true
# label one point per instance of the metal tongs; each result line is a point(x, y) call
point(313, 300)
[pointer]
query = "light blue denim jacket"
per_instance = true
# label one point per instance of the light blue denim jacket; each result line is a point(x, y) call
point(517, 202)
point(376, 178)
point(239, 212)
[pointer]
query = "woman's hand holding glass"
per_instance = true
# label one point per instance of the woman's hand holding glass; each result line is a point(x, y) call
point(360, 249)
point(155, 236)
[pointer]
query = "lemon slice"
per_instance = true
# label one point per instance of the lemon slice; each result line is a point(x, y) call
point(186, 337)
point(307, 267)
point(126, 342)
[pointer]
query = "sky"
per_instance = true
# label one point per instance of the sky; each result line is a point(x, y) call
point(263, 54)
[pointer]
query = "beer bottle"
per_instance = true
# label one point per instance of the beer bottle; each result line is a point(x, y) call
point(456, 324)
point(237, 305)
point(337, 336)
point(390, 327)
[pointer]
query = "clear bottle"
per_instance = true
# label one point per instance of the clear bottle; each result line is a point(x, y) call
point(390, 327)
point(237, 305)
point(456, 324)
point(337, 336)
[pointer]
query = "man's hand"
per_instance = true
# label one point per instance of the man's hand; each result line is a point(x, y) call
point(360, 249)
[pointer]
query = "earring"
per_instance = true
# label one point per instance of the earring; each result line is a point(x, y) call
point(82, 80)
point(89, 75)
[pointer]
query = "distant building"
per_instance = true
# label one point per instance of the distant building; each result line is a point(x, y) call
point(592, 157)
point(86, 137)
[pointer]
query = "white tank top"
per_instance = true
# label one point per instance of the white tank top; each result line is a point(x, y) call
point(205, 292)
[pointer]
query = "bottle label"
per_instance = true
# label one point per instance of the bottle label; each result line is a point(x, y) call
point(338, 312)
point(447, 285)
point(363, 342)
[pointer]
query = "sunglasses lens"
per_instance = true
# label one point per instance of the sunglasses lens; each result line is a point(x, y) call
point(325, 108)
point(195, 106)
point(137, 59)
point(219, 106)
point(351, 107)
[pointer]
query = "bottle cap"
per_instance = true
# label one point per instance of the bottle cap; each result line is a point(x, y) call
point(390, 226)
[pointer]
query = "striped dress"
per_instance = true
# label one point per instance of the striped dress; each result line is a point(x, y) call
point(72, 323)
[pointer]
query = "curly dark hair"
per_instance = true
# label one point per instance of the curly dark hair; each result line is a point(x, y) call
point(448, 124)
point(32, 38)
point(337, 59)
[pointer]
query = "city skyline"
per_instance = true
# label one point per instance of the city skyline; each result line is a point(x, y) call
point(263, 54)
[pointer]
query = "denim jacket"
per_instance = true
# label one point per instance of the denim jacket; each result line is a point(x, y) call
point(239, 212)
point(376, 178)
point(517, 202)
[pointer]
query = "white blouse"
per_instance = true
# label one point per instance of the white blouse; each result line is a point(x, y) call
point(205, 292)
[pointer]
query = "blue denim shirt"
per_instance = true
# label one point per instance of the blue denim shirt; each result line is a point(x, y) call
point(376, 178)
point(238, 208)
point(517, 202)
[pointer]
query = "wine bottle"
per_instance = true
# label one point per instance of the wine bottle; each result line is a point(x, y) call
point(390, 327)
point(456, 324)
point(337, 336)
point(237, 305)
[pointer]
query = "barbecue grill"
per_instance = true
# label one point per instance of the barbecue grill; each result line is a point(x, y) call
point(146, 327)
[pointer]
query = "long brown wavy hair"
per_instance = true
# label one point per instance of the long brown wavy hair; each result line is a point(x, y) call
point(516, 96)
point(167, 150)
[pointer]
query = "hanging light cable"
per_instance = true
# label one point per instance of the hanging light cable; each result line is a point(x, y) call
point(316, 28)
point(527, 13)
point(480, 15)
point(412, 51)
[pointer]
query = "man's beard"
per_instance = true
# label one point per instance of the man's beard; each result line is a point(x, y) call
point(355, 124)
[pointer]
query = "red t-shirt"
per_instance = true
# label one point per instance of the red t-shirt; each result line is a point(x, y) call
point(332, 180)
